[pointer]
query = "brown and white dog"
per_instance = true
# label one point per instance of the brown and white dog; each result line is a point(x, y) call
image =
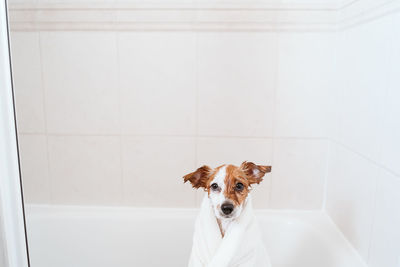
point(227, 197)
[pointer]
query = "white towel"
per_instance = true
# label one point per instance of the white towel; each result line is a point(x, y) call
point(241, 246)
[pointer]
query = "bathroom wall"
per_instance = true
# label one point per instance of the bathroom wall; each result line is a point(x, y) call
point(116, 114)
point(112, 117)
point(363, 174)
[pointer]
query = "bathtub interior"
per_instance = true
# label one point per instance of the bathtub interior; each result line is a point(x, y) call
point(67, 236)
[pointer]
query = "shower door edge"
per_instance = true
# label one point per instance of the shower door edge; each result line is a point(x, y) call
point(12, 219)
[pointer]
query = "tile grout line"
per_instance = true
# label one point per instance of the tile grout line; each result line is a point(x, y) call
point(123, 197)
point(196, 85)
point(374, 210)
point(359, 20)
point(177, 136)
point(346, 4)
point(329, 140)
point(50, 178)
point(182, 135)
point(367, 159)
point(378, 179)
point(274, 111)
point(327, 169)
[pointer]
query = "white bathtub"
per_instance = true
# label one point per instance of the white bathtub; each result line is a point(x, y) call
point(61, 236)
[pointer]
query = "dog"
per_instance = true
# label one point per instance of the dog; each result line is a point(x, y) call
point(226, 232)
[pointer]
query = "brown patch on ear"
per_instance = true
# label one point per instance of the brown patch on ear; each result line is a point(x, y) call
point(198, 178)
point(254, 173)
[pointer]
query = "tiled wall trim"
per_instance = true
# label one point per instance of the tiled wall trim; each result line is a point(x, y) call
point(196, 16)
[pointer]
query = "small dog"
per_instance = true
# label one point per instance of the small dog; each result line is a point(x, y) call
point(226, 233)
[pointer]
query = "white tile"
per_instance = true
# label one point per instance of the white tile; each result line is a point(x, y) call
point(385, 243)
point(298, 173)
point(28, 88)
point(22, 2)
point(217, 151)
point(236, 79)
point(80, 78)
point(158, 90)
point(85, 170)
point(305, 78)
point(366, 54)
point(391, 127)
point(34, 168)
point(153, 170)
point(335, 94)
point(351, 195)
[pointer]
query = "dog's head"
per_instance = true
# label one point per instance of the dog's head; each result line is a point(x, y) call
point(228, 186)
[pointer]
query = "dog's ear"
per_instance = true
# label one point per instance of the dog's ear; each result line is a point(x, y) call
point(198, 178)
point(254, 173)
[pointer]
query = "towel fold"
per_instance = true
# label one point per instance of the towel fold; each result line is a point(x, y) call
point(241, 246)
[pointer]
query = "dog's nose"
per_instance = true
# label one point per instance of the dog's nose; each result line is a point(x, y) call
point(227, 208)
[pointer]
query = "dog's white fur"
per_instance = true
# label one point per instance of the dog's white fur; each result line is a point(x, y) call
point(241, 246)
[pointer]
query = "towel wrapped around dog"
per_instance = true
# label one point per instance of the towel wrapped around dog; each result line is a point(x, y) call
point(241, 245)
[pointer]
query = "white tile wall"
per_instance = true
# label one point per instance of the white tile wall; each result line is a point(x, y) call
point(391, 121)
point(35, 168)
point(351, 195)
point(236, 80)
point(385, 243)
point(209, 95)
point(26, 62)
point(157, 76)
point(80, 80)
point(153, 170)
point(366, 51)
point(243, 85)
point(299, 168)
point(218, 151)
point(336, 95)
point(363, 175)
point(305, 78)
point(85, 169)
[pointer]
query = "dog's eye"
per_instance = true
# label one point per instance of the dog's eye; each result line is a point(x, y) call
point(214, 186)
point(239, 187)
